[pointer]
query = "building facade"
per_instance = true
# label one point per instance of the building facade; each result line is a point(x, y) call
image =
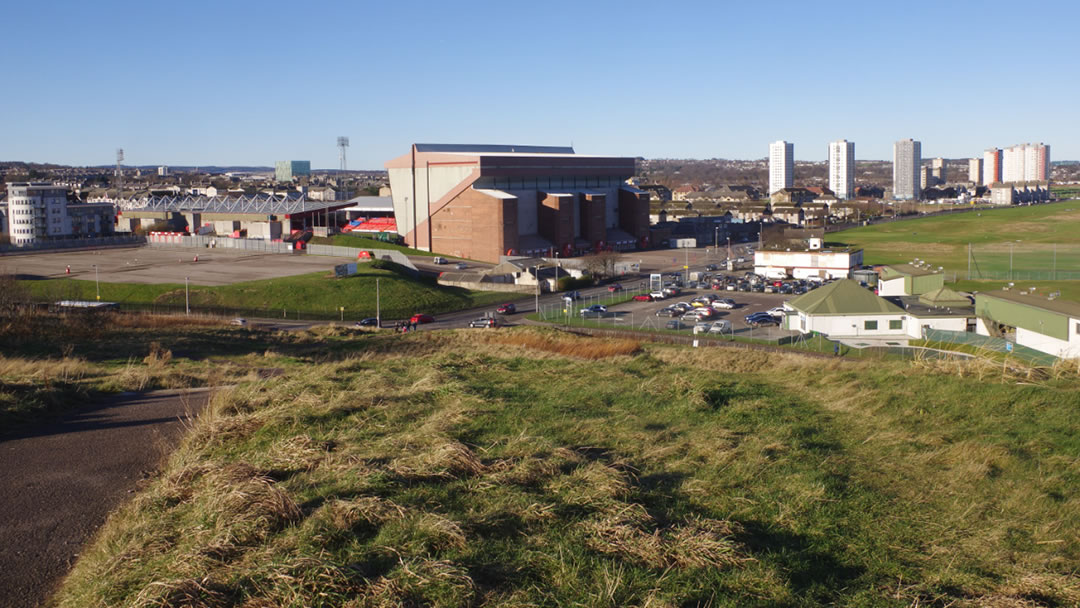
point(975, 170)
point(991, 166)
point(1026, 163)
point(842, 169)
point(907, 158)
point(781, 166)
point(286, 170)
point(40, 211)
point(483, 202)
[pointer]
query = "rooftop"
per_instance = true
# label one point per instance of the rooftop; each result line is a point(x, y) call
point(843, 297)
point(1065, 307)
point(899, 270)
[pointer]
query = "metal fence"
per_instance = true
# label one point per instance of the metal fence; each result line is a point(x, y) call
point(68, 244)
point(215, 242)
point(989, 343)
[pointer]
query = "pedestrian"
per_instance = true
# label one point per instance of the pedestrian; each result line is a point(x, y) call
point(836, 349)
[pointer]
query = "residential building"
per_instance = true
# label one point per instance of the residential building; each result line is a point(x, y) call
point(40, 211)
point(1026, 163)
point(781, 165)
point(926, 177)
point(163, 171)
point(992, 166)
point(975, 170)
point(483, 202)
point(939, 170)
point(287, 170)
point(907, 159)
point(842, 168)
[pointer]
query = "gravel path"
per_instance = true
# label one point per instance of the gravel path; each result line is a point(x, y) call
point(59, 481)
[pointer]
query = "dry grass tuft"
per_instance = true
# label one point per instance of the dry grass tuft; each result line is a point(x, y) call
point(580, 347)
point(159, 357)
point(415, 583)
point(630, 532)
point(183, 593)
point(446, 459)
point(370, 510)
point(596, 484)
point(247, 505)
point(145, 320)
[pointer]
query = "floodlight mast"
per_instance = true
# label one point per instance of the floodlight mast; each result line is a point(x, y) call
point(119, 173)
point(343, 142)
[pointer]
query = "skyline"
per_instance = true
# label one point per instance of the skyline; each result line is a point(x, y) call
point(241, 84)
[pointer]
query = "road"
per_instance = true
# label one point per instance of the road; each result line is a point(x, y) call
point(60, 480)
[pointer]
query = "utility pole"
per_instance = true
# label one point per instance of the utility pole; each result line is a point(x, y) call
point(378, 317)
point(187, 298)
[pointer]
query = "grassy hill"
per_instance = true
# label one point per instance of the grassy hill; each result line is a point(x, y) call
point(529, 468)
point(317, 294)
point(1030, 232)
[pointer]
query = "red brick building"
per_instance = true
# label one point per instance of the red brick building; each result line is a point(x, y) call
point(482, 202)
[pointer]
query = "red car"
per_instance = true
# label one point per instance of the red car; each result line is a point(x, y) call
point(643, 297)
point(422, 318)
point(614, 287)
point(507, 309)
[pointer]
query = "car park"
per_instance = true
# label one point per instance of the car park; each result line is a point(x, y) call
point(484, 322)
point(507, 309)
point(420, 318)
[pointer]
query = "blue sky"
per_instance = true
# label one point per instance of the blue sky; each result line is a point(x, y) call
point(248, 83)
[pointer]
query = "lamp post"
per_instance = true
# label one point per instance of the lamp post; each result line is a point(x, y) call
point(716, 237)
point(536, 270)
point(556, 271)
point(187, 298)
point(378, 317)
point(97, 283)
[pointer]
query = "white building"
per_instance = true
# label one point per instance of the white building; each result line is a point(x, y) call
point(802, 264)
point(163, 171)
point(907, 158)
point(1026, 163)
point(991, 166)
point(975, 170)
point(781, 166)
point(40, 211)
point(842, 169)
point(1049, 326)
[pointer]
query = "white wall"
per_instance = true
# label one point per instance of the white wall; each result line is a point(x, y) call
point(841, 325)
point(803, 264)
point(892, 287)
point(1048, 344)
point(915, 325)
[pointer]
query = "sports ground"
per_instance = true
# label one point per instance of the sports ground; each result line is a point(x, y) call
point(153, 265)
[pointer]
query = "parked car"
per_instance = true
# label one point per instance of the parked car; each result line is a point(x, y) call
point(777, 311)
point(461, 266)
point(439, 260)
point(507, 309)
point(484, 322)
point(657, 295)
point(720, 327)
point(594, 310)
point(614, 287)
point(571, 295)
point(673, 324)
point(668, 311)
point(420, 318)
point(761, 318)
point(368, 322)
point(683, 306)
point(702, 327)
point(724, 304)
point(643, 297)
point(710, 267)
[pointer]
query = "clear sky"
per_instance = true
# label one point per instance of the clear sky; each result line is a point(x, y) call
point(248, 83)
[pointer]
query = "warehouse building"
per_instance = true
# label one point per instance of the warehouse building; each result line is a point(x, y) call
point(908, 280)
point(1048, 325)
point(483, 202)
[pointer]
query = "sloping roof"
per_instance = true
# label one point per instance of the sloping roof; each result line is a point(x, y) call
point(944, 297)
point(1065, 307)
point(900, 270)
point(843, 297)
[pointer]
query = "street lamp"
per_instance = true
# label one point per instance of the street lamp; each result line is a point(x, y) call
point(187, 299)
point(97, 283)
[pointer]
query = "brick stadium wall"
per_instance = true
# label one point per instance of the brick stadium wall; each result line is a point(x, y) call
point(476, 226)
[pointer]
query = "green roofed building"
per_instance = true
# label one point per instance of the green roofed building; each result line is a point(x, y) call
point(943, 297)
point(908, 280)
point(1049, 326)
point(845, 309)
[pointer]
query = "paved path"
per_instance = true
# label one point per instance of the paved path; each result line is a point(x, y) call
point(60, 480)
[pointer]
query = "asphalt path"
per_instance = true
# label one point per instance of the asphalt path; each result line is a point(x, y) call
point(60, 480)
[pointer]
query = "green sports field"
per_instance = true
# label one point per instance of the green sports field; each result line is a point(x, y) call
point(1041, 241)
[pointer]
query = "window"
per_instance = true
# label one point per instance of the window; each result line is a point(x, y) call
point(869, 325)
point(896, 324)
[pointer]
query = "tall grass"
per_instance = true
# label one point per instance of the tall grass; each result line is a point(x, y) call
point(452, 469)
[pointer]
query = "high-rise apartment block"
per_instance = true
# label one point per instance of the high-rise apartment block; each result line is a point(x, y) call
point(939, 171)
point(1026, 163)
point(975, 170)
point(842, 168)
point(41, 211)
point(907, 158)
point(991, 166)
point(781, 166)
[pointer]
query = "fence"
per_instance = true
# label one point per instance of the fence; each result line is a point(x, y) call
point(69, 244)
point(990, 343)
point(216, 242)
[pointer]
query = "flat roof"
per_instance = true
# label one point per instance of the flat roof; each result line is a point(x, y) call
point(493, 149)
point(1064, 307)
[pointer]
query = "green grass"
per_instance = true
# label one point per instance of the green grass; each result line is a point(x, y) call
point(1032, 231)
point(359, 242)
point(317, 294)
point(465, 468)
point(1070, 290)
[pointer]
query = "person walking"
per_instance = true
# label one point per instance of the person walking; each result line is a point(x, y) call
point(836, 349)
